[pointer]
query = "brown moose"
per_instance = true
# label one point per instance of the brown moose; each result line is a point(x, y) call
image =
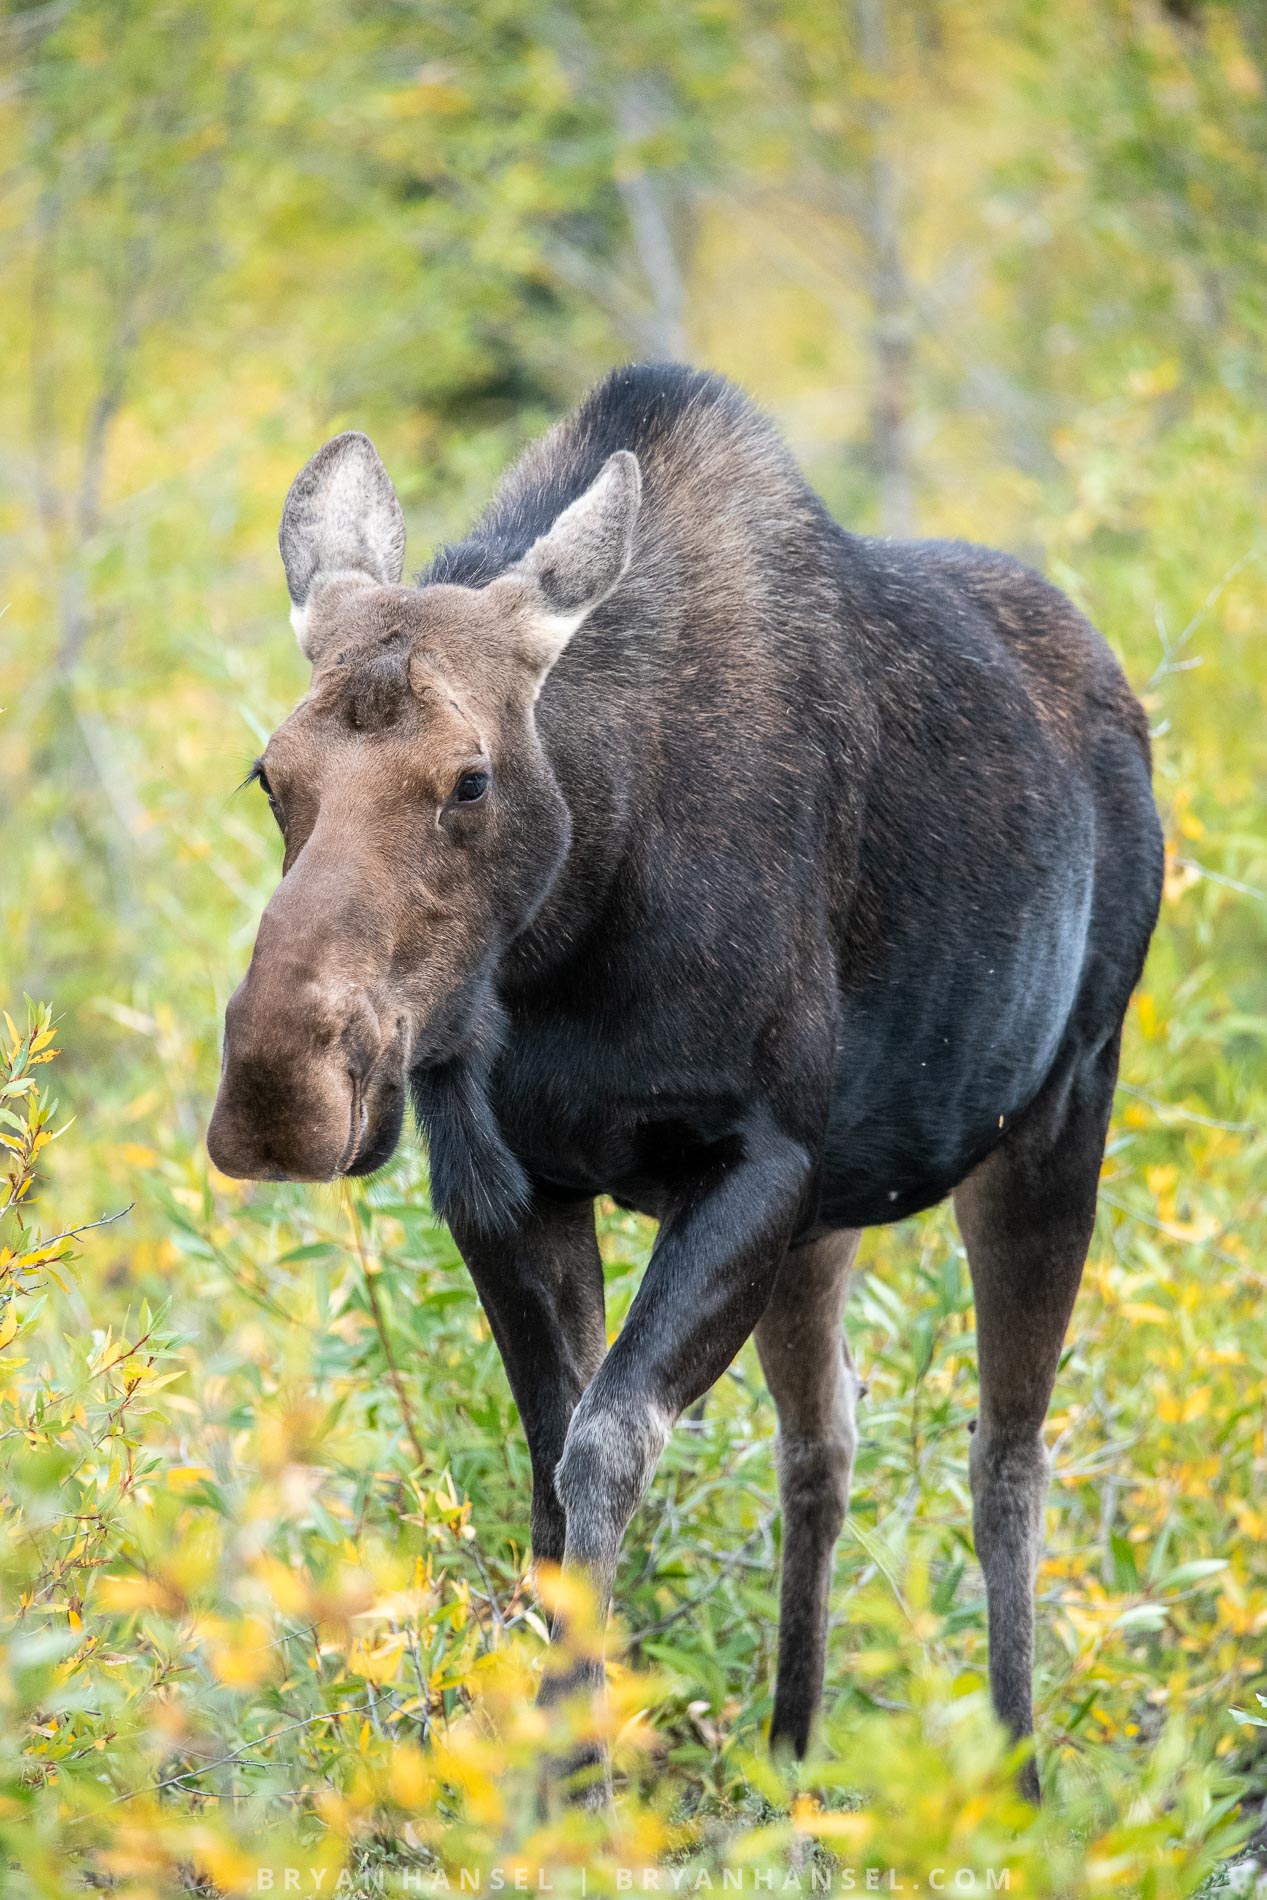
point(668, 842)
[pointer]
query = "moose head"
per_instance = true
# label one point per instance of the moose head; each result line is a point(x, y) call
point(421, 821)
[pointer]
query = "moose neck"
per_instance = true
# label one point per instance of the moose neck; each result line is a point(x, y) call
point(577, 781)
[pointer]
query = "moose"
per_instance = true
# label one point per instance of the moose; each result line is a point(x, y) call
point(666, 841)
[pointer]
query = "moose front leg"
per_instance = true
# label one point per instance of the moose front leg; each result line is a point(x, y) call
point(706, 1285)
point(543, 1292)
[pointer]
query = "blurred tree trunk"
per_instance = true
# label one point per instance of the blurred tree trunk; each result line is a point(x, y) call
point(891, 331)
point(643, 194)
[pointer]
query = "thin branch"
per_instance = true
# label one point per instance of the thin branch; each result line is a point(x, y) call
point(1221, 877)
point(42, 371)
point(116, 369)
point(73, 1233)
point(225, 1761)
point(393, 1370)
point(891, 311)
point(406, 1409)
point(1171, 1232)
point(37, 20)
point(1170, 649)
point(732, 1562)
point(1176, 1112)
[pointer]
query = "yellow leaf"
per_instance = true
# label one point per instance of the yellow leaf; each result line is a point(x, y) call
point(125, 1594)
point(183, 1477)
point(230, 1869)
point(408, 1779)
point(137, 1155)
point(287, 1588)
point(853, 1829)
point(379, 1665)
point(8, 1326)
point(152, 1379)
point(238, 1668)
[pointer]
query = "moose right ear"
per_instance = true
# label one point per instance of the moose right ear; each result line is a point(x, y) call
point(577, 562)
point(342, 521)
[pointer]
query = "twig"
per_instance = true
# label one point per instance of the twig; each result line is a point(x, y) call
point(1221, 877)
point(1171, 1232)
point(73, 1233)
point(1178, 1113)
point(641, 195)
point(225, 1761)
point(393, 1370)
point(732, 1562)
point(1169, 650)
point(406, 1409)
point(490, 1594)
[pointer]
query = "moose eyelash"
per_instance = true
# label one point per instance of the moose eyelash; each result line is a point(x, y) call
point(256, 777)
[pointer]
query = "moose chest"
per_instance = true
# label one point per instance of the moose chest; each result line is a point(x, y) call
point(592, 1105)
point(932, 1060)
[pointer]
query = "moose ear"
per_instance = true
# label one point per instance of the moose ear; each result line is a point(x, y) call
point(582, 558)
point(342, 521)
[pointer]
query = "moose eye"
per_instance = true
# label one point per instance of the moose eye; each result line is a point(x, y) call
point(261, 779)
point(471, 787)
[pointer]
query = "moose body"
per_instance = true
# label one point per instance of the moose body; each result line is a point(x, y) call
point(669, 842)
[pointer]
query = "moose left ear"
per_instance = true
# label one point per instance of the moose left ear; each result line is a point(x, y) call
point(342, 521)
point(582, 558)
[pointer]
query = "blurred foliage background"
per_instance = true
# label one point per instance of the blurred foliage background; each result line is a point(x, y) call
point(999, 269)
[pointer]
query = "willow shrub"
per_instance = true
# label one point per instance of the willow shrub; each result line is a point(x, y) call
point(255, 1640)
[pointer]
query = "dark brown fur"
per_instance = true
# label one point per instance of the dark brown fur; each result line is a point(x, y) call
point(805, 883)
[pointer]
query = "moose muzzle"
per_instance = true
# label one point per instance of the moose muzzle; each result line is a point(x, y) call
point(307, 1080)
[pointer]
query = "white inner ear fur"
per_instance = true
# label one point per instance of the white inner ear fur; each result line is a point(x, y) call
point(581, 560)
point(548, 633)
point(301, 614)
point(546, 638)
point(342, 523)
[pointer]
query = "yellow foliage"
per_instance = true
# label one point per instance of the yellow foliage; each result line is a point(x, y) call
point(265, 1596)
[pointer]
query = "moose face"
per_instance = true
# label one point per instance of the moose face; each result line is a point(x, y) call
point(421, 822)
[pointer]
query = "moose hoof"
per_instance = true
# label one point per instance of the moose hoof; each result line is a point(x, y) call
point(1028, 1783)
point(580, 1769)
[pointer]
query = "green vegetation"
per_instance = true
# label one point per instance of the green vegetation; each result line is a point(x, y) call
point(1000, 270)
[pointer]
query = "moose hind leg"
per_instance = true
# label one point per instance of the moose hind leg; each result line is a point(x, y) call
point(1026, 1216)
point(809, 1371)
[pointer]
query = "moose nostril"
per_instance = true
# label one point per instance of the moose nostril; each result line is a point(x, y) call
point(359, 1121)
point(361, 1042)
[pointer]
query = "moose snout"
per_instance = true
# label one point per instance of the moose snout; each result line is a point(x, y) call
point(299, 1086)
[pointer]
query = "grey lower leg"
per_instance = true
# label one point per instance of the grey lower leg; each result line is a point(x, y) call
point(610, 1455)
point(807, 1365)
point(1026, 1216)
point(708, 1282)
point(1009, 1476)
